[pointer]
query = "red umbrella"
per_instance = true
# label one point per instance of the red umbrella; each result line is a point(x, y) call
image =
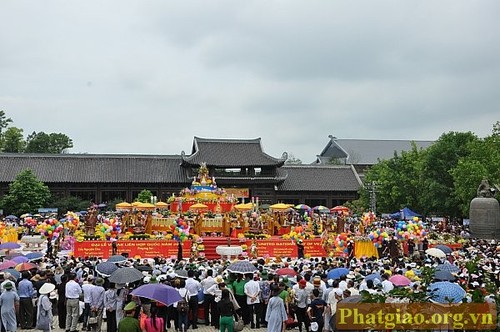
point(340, 208)
point(25, 267)
point(286, 271)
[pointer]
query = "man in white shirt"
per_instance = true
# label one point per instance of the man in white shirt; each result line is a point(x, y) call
point(72, 291)
point(193, 286)
point(252, 291)
point(209, 299)
point(87, 290)
point(387, 286)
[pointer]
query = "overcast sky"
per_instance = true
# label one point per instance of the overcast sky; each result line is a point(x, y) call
point(147, 76)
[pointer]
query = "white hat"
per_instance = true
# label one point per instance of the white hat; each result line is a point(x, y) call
point(47, 288)
point(339, 292)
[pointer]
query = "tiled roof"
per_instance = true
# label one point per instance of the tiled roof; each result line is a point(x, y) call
point(320, 178)
point(87, 168)
point(368, 152)
point(230, 153)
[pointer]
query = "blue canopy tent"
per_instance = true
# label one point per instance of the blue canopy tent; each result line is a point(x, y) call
point(404, 214)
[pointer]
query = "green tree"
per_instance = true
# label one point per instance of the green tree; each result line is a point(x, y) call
point(26, 194)
point(442, 157)
point(482, 162)
point(47, 143)
point(144, 196)
point(13, 140)
point(398, 182)
point(4, 123)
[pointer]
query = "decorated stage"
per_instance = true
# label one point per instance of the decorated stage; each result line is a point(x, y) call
point(272, 247)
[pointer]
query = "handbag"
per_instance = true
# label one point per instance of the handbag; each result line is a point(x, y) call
point(92, 320)
point(238, 325)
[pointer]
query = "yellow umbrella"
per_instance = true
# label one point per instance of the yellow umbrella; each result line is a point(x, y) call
point(244, 207)
point(280, 206)
point(198, 206)
point(161, 205)
point(123, 205)
point(145, 206)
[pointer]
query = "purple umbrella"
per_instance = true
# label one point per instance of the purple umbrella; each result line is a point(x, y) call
point(10, 245)
point(158, 292)
point(20, 259)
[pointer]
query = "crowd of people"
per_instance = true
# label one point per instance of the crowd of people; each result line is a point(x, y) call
point(305, 297)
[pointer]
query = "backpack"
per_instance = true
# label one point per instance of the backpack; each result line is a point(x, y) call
point(183, 305)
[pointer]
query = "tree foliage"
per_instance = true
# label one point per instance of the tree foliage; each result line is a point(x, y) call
point(47, 143)
point(26, 194)
point(398, 181)
point(4, 123)
point(144, 196)
point(13, 140)
point(70, 203)
point(483, 162)
point(442, 157)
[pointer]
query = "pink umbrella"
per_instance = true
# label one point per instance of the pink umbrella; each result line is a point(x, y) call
point(400, 280)
point(7, 264)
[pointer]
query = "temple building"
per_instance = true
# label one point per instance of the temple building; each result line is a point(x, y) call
point(239, 165)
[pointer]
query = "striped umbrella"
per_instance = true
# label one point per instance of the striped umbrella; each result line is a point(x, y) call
point(242, 267)
point(302, 207)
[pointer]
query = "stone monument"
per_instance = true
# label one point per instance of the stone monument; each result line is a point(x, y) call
point(484, 213)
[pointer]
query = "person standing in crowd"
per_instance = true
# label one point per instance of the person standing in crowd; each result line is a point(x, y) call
point(26, 293)
point(182, 315)
point(129, 323)
point(9, 301)
point(315, 311)
point(44, 308)
point(61, 302)
point(227, 312)
point(239, 293)
point(121, 299)
point(252, 291)
point(275, 311)
point(193, 286)
point(153, 323)
point(411, 246)
point(209, 299)
point(97, 303)
point(72, 294)
point(302, 301)
point(265, 296)
point(87, 290)
point(110, 301)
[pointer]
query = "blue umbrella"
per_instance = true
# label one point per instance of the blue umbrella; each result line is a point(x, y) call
point(11, 217)
point(337, 273)
point(243, 267)
point(373, 276)
point(443, 275)
point(158, 292)
point(33, 256)
point(20, 259)
point(447, 250)
point(106, 268)
point(10, 245)
point(446, 292)
point(446, 266)
point(16, 274)
point(117, 259)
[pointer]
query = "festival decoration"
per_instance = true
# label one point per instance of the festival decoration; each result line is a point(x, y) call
point(50, 228)
point(180, 230)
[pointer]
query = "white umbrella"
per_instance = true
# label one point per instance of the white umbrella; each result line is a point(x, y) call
point(435, 252)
